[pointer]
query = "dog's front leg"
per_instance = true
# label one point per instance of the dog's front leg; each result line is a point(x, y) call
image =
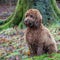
point(32, 50)
point(40, 50)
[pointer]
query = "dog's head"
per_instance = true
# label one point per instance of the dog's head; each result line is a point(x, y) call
point(33, 18)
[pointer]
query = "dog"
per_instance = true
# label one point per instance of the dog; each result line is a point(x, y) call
point(39, 38)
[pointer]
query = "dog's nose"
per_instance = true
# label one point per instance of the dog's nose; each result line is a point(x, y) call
point(26, 21)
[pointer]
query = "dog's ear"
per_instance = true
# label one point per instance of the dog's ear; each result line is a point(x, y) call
point(37, 24)
point(39, 17)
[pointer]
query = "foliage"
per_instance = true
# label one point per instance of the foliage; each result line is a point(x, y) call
point(55, 30)
point(55, 7)
point(12, 44)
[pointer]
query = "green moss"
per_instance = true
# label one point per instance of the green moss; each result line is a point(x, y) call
point(54, 4)
point(21, 7)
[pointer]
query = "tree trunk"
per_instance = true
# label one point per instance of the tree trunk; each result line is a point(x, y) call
point(48, 9)
point(16, 17)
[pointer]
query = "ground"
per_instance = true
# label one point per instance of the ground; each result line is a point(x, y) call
point(13, 44)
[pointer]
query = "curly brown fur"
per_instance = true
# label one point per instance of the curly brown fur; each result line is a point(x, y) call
point(39, 38)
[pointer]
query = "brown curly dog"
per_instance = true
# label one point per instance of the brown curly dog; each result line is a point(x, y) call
point(38, 37)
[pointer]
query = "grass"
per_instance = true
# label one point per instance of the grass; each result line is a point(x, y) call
point(55, 30)
point(45, 57)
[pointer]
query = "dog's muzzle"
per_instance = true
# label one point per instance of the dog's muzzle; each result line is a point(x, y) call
point(29, 23)
point(32, 24)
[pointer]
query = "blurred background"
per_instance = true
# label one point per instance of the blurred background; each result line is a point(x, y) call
point(7, 7)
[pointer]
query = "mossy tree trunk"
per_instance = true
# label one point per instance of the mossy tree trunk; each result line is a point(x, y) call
point(48, 10)
point(16, 17)
point(46, 7)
